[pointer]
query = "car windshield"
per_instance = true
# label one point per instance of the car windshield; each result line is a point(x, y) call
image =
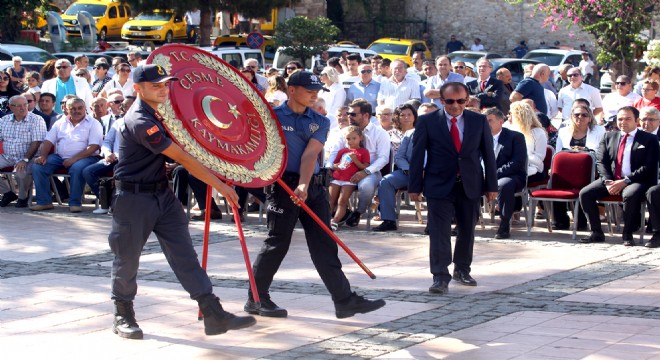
point(95, 9)
point(546, 58)
point(471, 57)
point(390, 49)
point(40, 56)
point(158, 16)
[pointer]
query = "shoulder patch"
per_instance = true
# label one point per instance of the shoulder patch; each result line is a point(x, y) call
point(154, 129)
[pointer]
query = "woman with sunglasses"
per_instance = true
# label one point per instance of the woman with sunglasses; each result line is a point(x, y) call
point(7, 90)
point(291, 67)
point(250, 75)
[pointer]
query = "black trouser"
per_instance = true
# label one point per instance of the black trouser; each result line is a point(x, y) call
point(182, 179)
point(653, 199)
point(135, 216)
point(632, 194)
point(440, 215)
point(506, 190)
point(282, 217)
point(243, 195)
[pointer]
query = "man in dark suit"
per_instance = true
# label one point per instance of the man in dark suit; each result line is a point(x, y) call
point(510, 157)
point(452, 180)
point(487, 89)
point(627, 163)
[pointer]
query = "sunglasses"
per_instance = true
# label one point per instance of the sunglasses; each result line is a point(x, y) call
point(62, 67)
point(125, 70)
point(291, 68)
point(385, 114)
point(252, 66)
point(353, 114)
point(580, 115)
point(118, 101)
point(573, 75)
point(81, 74)
point(622, 83)
point(647, 90)
point(459, 67)
point(30, 101)
point(452, 101)
point(4, 78)
point(366, 71)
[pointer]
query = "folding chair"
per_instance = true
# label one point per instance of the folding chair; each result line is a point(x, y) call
point(612, 203)
point(569, 173)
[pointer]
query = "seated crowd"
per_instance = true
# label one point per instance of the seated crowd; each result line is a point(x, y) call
point(373, 105)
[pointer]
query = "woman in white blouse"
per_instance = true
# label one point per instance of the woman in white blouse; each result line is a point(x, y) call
point(336, 96)
point(524, 120)
point(582, 133)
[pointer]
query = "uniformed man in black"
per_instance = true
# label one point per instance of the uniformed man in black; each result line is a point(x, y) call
point(305, 132)
point(144, 203)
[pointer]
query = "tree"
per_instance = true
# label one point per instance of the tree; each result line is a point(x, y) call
point(617, 26)
point(249, 8)
point(303, 38)
point(12, 14)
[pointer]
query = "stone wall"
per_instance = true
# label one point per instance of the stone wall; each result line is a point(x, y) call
point(499, 25)
point(311, 8)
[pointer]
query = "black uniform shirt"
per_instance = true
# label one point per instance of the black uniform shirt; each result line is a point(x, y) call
point(142, 139)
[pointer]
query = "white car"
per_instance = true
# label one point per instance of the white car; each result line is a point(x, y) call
point(236, 56)
point(280, 60)
point(555, 58)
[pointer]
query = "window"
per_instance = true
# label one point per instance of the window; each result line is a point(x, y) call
point(122, 11)
point(112, 13)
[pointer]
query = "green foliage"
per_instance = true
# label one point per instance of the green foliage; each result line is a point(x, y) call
point(12, 14)
point(303, 37)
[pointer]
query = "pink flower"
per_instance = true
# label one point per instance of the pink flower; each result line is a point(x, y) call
point(554, 27)
point(570, 35)
point(576, 20)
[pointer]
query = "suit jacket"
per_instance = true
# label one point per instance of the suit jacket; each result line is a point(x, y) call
point(403, 155)
point(438, 177)
point(511, 155)
point(83, 90)
point(643, 157)
point(494, 86)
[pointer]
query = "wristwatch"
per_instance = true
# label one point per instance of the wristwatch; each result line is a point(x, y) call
point(627, 180)
point(367, 171)
point(26, 160)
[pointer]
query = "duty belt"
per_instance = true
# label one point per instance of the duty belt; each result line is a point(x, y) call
point(316, 179)
point(141, 188)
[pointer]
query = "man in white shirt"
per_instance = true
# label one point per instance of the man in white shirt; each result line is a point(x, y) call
point(587, 67)
point(578, 89)
point(377, 142)
point(477, 46)
point(77, 139)
point(348, 78)
point(399, 88)
point(443, 63)
point(623, 96)
point(192, 18)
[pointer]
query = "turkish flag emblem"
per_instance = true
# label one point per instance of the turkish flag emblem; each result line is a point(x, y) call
point(154, 129)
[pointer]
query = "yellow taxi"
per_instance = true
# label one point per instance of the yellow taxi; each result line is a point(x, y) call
point(396, 48)
point(41, 23)
point(157, 26)
point(109, 15)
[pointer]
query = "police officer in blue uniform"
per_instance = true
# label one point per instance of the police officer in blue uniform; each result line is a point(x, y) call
point(144, 203)
point(305, 132)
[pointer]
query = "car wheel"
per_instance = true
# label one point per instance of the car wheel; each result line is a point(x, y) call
point(168, 37)
point(103, 34)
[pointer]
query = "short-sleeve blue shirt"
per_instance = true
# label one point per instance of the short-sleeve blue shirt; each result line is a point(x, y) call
point(530, 88)
point(298, 130)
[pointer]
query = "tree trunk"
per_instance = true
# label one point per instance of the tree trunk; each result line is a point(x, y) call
point(622, 67)
point(205, 26)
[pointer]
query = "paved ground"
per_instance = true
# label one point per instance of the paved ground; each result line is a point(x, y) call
point(542, 297)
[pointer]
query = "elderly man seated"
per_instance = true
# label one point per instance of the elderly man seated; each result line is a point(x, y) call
point(77, 139)
point(21, 133)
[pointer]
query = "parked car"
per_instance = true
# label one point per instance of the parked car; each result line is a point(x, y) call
point(92, 56)
point(472, 56)
point(159, 26)
point(268, 49)
point(109, 15)
point(26, 52)
point(124, 53)
point(280, 60)
point(28, 65)
point(555, 57)
point(236, 56)
point(396, 48)
point(514, 65)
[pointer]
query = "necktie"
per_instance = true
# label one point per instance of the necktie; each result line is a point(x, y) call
point(455, 136)
point(483, 86)
point(619, 158)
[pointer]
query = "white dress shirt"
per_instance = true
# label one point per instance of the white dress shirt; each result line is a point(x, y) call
point(625, 163)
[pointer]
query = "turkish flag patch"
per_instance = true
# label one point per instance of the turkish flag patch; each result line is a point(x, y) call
point(153, 130)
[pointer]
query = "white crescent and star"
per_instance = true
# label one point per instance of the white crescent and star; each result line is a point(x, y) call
point(206, 106)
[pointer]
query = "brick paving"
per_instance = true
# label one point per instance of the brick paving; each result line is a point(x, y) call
point(539, 297)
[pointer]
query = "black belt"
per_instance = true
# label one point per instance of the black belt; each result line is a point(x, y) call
point(141, 188)
point(294, 177)
point(459, 178)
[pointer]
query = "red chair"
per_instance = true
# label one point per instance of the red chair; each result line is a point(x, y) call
point(547, 163)
point(569, 173)
point(612, 202)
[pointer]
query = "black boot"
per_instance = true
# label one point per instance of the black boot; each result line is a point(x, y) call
point(125, 325)
point(217, 321)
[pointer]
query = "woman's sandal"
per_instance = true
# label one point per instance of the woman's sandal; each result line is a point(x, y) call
point(334, 226)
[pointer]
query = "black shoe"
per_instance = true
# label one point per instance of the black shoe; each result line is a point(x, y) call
point(464, 278)
point(7, 198)
point(502, 235)
point(267, 308)
point(125, 325)
point(356, 304)
point(654, 242)
point(254, 207)
point(561, 226)
point(386, 225)
point(439, 287)
point(347, 215)
point(628, 240)
point(218, 321)
point(594, 237)
point(215, 215)
point(354, 219)
point(426, 230)
point(21, 203)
